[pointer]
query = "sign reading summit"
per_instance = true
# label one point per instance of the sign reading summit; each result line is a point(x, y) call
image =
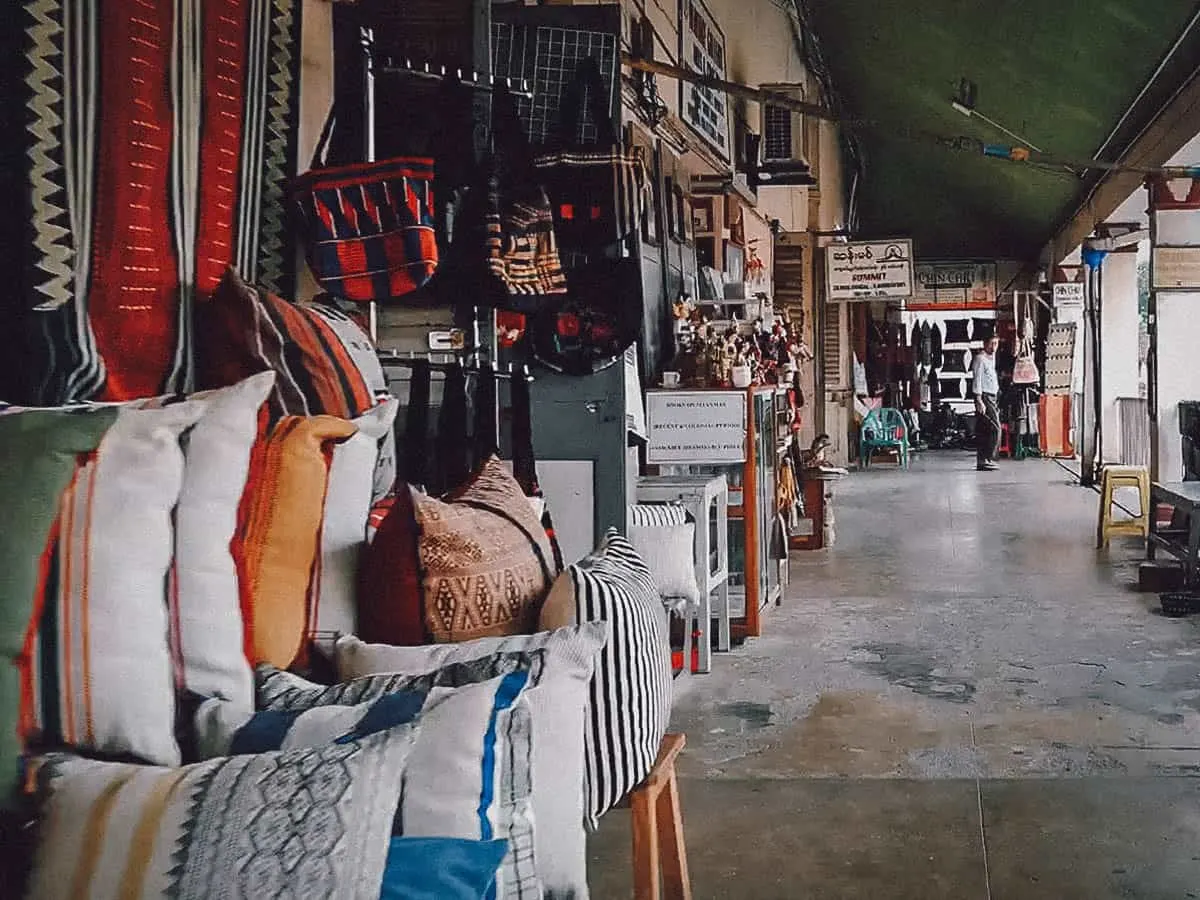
point(874, 270)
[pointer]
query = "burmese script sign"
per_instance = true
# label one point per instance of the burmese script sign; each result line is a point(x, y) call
point(875, 270)
point(695, 427)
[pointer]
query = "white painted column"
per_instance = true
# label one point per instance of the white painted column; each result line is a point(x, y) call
point(1119, 324)
point(1178, 374)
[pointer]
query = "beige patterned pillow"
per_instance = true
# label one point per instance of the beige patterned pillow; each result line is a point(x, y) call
point(486, 561)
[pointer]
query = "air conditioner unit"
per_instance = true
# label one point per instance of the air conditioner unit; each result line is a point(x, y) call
point(782, 129)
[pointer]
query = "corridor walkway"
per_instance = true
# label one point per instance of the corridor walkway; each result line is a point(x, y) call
point(962, 699)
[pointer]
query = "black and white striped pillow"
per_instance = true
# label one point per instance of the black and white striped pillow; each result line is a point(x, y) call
point(651, 514)
point(630, 704)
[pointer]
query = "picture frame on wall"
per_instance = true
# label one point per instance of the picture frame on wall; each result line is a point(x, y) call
point(702, 49)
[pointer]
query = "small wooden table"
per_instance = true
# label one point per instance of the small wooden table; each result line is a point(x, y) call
point(1182, 543)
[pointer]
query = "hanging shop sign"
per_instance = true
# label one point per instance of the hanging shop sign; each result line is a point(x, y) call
point(874, 270)
point(695, 427)
point(954, 284)
point(702, 49)
point(1176, 268)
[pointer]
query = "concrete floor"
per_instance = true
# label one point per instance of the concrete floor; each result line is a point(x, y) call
point(961, 699)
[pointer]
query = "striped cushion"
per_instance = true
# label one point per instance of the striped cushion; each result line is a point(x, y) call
point(313, 822)
point(100, 673)
point(206, 614)
point(470, 773)
point(39, 449)
point(279, 525)
point(630, 701)
point(659, 514)
point(320, 357)
point(556, 702)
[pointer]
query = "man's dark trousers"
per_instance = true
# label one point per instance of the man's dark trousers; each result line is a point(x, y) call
point(987, 430)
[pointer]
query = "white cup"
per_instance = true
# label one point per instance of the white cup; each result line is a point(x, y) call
point(740, 375)
point(670, 379)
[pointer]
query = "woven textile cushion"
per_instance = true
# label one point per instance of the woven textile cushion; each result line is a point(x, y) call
point(630, 697)
point(347, 505)
point(311, 823)
point(206, 615)
point(669, 552)
point(470, 773)
point(557, 700)
point(39, 449)
point(101, 672)
point(484, 562)
point(279, 523)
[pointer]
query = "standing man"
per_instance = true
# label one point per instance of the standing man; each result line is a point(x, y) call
point(986, 385)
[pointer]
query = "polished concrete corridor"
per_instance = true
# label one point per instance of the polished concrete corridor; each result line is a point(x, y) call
point(962, 699)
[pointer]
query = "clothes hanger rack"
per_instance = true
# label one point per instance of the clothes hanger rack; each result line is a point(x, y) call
point(448, 361)
point(386, 65)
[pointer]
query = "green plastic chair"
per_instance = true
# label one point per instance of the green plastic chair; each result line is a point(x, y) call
point(883, 429)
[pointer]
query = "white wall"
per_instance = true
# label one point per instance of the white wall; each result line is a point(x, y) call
point(1178, 340)
point(1119, 324)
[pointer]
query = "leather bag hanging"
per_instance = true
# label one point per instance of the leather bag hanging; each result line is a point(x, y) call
point(597, 189)
point(1025, 370)
point(592, 325)
point(368, 227)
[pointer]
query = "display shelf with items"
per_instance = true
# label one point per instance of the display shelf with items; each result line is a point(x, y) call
point(746, 448)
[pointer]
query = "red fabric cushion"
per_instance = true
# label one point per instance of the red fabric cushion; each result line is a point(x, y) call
point(390, 596)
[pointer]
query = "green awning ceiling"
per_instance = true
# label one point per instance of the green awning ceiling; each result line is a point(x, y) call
point(1061, 73)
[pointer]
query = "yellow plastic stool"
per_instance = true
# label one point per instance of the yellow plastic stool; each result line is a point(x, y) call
point(1117, 477)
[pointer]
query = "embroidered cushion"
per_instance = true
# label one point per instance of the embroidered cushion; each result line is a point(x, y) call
point(486, 564)
point(39, 449)
point(630, 697)
point(279, 522)
point(314, 823)
point(206, 615)
point(347, 506)
point(470, 773)
point(556, 700)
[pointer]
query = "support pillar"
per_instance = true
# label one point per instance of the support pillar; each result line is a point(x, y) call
point(1086, 440)
point(1174, 316)
point(1119, 330)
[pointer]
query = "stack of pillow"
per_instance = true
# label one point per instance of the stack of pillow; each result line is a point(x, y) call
point(174, 557)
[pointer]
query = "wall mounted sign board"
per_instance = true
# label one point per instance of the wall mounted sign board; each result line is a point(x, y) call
point(1176, 268)
point(695, 427)
point(953, 284)
point(869, 270)
point(1068, 293)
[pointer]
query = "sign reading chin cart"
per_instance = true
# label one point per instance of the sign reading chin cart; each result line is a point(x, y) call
point(869, 270)
point(695, 427)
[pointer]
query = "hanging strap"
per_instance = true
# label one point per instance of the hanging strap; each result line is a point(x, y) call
point(416, 426)
point(524, 462)
point(452, 442)
point(587, 77)
point(483, 437)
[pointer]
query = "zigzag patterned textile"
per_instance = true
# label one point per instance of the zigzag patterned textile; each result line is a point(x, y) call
point(159, 139)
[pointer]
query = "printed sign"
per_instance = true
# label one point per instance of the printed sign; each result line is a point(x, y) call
point(873, 270)
point(954, 284)
point(1068, 293)
point(696, 427)
point(1176, 268)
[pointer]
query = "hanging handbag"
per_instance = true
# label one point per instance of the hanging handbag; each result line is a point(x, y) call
point(592, 325)
point(597, 188)
point(368, 227)
point(519, 247)
point(1025, 370)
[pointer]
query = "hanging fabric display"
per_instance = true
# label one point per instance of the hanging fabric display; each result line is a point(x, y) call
point(1025, 370)
point(956, 331)
point(368, 227)
point(597, 188)
point(935, 346)
point(453, 447)
point(414, 469)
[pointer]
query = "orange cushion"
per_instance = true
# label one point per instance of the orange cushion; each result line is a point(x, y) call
point(279, 530)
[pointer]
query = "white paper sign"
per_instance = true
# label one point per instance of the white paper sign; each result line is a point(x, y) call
point(872, 270)
point(1068, 293)
point(696, 427)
